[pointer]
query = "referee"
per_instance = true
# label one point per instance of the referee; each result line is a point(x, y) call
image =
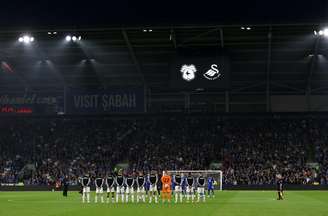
point(65, 186)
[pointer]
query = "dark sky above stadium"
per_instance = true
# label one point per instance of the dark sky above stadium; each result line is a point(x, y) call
point(122, 12)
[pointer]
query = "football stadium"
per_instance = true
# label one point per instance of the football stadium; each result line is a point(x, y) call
point(226, 119)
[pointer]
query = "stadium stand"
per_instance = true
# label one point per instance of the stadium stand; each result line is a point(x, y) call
point(252, 151)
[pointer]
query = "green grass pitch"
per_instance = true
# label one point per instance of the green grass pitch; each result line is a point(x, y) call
point(226, 203)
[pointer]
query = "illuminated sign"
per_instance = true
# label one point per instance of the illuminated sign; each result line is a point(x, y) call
point(38, 103)
point(113, 100)
point(200, 68)
point(213, 73)
point(188, 72)
point(15, 110)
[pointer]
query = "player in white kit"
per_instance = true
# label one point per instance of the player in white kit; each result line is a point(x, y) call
point(141, 188)
point(201, 181)
point(178, 189)
point(120, 190)
point(85, 182)
point(110, 183)
point(129, 191)
point(153, 192)
point(190, 188)
point(99, 182)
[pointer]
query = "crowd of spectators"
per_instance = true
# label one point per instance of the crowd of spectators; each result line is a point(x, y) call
point(40, 151)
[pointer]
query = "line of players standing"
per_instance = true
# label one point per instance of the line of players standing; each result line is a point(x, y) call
point(124, 189)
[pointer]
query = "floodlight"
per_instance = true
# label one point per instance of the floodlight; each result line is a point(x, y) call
point(26, 39)
point(325, 32)
point(73, 38)
point(68, 38)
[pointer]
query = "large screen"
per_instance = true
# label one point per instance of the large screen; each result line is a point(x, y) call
point(194, 68)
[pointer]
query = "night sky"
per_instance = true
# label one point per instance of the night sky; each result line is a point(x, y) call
point(14, 14)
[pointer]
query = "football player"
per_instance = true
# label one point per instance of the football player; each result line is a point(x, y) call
point(280, 187)
point(129, 192)
point(178, 188)
point(190, 188)
point(99, 182)
point(153, 192)
point(210, 187)
point(120, 181)
point(184, 185)
point(166, 187)
point(85, 182)
point(110, 183)
point(141, 188)
point(201, 188)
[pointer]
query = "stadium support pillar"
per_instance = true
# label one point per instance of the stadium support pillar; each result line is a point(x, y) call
point(148, 99)
point(227, 101)
point(173, 38)
point(133, 54)
point(268, 71)
point(308, 100)
point(313, 63)
point(65, 99)
point(187, 102)
point(145, 99)
point(227, 93)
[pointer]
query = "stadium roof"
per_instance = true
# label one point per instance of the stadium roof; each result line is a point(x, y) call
point(287, 58)
point(127, 12)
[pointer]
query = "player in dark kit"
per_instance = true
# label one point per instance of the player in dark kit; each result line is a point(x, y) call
point(280, 187)
point(65, 186)
point(210, 187)
point(110, 183)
